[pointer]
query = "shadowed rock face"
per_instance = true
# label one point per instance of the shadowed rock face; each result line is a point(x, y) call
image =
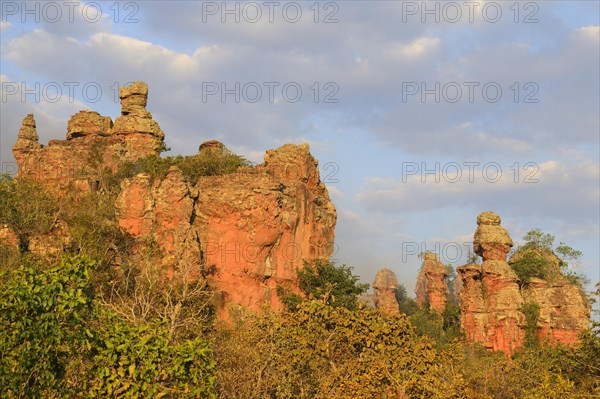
point(431, 288)
point(255, 226)
point(92, 141)
point(385, 287)
point(490, 297)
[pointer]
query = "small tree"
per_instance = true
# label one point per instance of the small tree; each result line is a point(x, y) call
point(322, 279)
point(539, 258)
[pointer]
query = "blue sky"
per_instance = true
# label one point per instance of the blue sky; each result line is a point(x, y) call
point(505, 94)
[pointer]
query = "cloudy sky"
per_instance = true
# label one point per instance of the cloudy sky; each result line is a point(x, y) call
point(422, 115)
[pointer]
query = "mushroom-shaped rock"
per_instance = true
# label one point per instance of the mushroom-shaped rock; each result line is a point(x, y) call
point(491, 241)
point(134, 116)
point(490, 296)
point(385, 287)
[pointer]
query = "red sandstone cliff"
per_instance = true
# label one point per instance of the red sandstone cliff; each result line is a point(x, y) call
point(254, 226)
point(564, 308)
point(93, 143)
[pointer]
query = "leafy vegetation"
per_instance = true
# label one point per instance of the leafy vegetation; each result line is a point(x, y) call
point(59, 340)
point(26, 208)
point(212, 162)
point(99, 319)
point(538, 258)
point(531, 310)
point(325, 280)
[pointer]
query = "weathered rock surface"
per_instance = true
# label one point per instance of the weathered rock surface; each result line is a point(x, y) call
point(564, 309)
point(431, 288)
point(490, 297)
point(256, 226)
point(28, 140)
point(385, 288)
point(259, 224)
point(92, 144)
point(88, 123)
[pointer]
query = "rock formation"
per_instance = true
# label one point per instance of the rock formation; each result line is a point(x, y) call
point(431, 288)
point(254, 227)
point(490, 297)
point(564, 309)
point(93, 143)
point(28, 140)
point(385, 288)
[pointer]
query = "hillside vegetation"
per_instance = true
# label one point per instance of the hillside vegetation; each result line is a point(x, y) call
point(95, 321)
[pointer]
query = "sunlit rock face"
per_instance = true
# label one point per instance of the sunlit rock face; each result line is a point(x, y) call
point(254, 228)
point(431, 288)
point(490, 296)
point(385, 288)
point(92, 144)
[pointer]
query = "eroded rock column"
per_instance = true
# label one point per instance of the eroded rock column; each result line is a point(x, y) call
point(431, 288)
point(385, 287)
point(490, 297)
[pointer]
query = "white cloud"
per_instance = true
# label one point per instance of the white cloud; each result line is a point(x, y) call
point(549, 189)
point(4, 25)
point(417, 47)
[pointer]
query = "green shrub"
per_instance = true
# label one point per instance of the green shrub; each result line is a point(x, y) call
point(206, 163)
point(139, 360)
point(323, 279)
point(530, 266)
point(42, 325)
point(26, 206)
point(531, 310)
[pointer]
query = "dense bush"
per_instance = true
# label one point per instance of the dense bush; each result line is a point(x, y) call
point(540, 258)
point(26, 207)
point(57, 340)
point(322, 351)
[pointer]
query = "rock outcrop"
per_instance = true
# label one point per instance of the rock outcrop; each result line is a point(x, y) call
point(253, 227)
point(564, 308)
point(385, 288)
point(28, 140)
point(431, 288)
point(490, 296)
point(92, 144)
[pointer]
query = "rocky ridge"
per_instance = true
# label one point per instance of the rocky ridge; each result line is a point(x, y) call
point(254, 227)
